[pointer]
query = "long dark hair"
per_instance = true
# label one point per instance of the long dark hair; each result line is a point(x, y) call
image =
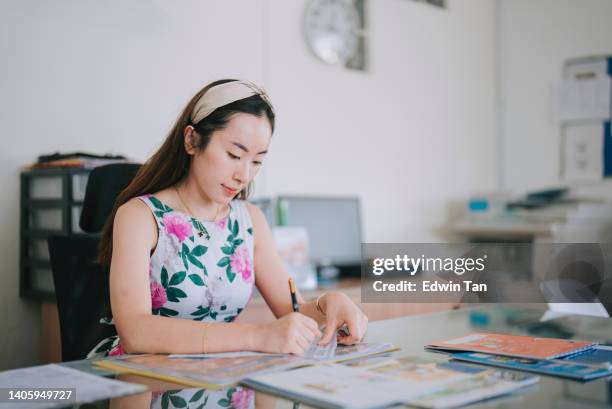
point(170, 164)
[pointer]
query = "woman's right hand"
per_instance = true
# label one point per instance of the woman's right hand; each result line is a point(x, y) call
point(291, 334)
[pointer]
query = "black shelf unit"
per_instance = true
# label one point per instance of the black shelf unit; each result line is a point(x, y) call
point(50, 203)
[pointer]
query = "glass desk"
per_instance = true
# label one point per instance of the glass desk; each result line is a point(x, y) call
point(411, 334)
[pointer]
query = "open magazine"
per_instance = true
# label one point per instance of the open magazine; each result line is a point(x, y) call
point(359, 385)
point(207, 373)
point(482, 385)
point(218, 370)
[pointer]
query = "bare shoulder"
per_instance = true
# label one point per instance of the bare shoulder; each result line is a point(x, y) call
point(134, 210)
point(134, 220)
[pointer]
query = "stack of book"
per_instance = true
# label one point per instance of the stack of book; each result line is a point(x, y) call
point(548, 356)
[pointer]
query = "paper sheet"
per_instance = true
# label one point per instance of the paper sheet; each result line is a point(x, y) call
point(316, 351)
point(329, 352)
point(89, 388)
point(581, 100)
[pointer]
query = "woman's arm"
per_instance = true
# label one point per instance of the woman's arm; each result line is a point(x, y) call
point(271, 279)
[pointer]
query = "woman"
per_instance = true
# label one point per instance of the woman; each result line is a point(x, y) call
point(185, 221)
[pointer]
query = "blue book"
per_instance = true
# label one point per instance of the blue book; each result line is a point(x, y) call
point(587, 365)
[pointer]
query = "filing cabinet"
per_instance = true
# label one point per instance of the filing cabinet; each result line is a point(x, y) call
point(51, 203)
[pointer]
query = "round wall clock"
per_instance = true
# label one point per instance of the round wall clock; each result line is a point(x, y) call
point(333, 30)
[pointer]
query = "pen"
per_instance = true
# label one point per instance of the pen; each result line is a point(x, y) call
point(294, 303)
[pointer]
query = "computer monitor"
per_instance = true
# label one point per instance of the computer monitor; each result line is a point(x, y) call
point(333, 224)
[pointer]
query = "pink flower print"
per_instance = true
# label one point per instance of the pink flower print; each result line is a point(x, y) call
point(241, 264)
point(221, 223)
point(242, 398)
point(176, 225)
point(117, 350)
point(158, 295)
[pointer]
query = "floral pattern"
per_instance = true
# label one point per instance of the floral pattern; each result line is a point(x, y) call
point(221, 223)
point(240, 262)
point(177, 225)
point(242, 398)
point(235, 260)
point(158, 295)
point(205, 277)
point(235, 397)
point(117, 350)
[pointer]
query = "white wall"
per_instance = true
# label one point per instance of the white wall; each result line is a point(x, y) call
point(409, 135)
point(535, 38)
point(414, 132)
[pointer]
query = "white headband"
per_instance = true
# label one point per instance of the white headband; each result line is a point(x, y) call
point(224, 94)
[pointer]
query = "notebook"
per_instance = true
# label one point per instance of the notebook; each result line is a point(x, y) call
point(518, 346)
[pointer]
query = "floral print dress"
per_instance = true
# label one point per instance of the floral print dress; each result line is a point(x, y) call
point(199, 270)
point(234, 397)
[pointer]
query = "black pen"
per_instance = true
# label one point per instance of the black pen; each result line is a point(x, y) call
point(295, 305)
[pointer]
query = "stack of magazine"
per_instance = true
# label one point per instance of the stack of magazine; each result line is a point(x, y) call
point(571, 359)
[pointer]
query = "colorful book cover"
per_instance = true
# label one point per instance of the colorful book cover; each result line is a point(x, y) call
point(518, 346)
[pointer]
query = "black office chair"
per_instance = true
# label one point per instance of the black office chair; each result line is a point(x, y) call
point(103, 186)
point(81, 284)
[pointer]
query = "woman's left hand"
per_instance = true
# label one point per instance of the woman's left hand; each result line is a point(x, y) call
point(340, 310)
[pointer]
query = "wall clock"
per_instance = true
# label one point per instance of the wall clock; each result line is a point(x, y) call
point(334, 31)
